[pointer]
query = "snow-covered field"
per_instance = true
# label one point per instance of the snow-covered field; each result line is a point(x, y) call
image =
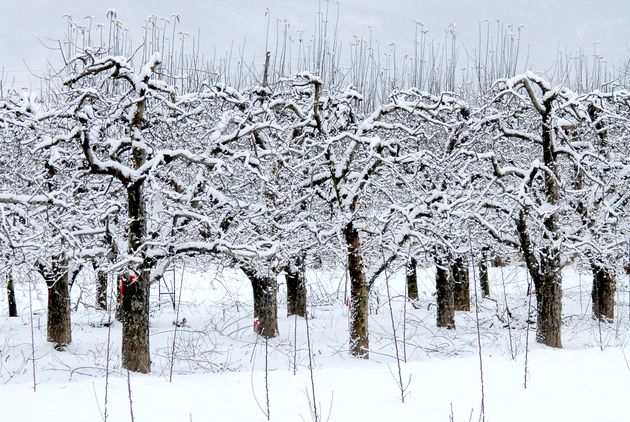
point(218, 361)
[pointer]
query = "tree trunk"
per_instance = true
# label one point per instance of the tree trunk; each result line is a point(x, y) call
point(548, 284)
point(461, 284)
point(549, 299)
point(119, 280)
point(444, 293)
point(135, 323)
point(11, 297)
point(603, 293)
point(412, 279)
point(484, 279)
point(359, 334)
point(296, 288)
point(265, 290)
point(58, 327)
point(136, 355)
point(101, 289)
point(269, 316)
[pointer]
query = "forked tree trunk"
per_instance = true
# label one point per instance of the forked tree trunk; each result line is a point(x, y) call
point(11, 297)
point(412, 278)
point(58, 326)
point(136, 355)
point(101, 289)
point(545, 272)
point(544, 266)
point(444, 296)
point(359, 334)
point(603, 293)
point(265, 290)
point(549, 286)
point(296, 288)
point(461, 284)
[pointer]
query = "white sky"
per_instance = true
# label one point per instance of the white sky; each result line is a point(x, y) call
point(549, 24)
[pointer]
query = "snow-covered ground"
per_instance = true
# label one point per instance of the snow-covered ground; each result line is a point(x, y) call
point(218, 366)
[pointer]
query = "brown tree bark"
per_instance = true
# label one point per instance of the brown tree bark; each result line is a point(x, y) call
point(412, 278)
point(119, 280)
point(603, 293)
point(265, 290)
point(359, 334)
point(545, 273)
point(296, 288)
point(498, 261)
point(11, 297)
point(101, 289)
point(461, 284)
point(136, 355)
point(444, 295)
point(549, 282)
point(135, 323)
point(543, 261)
point(549, 299)
point(58, 325)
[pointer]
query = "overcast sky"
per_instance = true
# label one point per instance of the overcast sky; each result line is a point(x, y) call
point(549, 24)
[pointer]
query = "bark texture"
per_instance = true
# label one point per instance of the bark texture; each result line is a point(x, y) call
point(265, 290)
point(545, 273)
point(11, 297)
point(543, 259)
point(135, 298)
point(412, 279)
point(603, 293)
point(58, 325)
point(135, 323)
point(498, 261)
point(549, 299)
point(101, 289)
point(296, 288)
point(461, 284)
point(549, 282)
point(444, 296)
point(359, 337)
